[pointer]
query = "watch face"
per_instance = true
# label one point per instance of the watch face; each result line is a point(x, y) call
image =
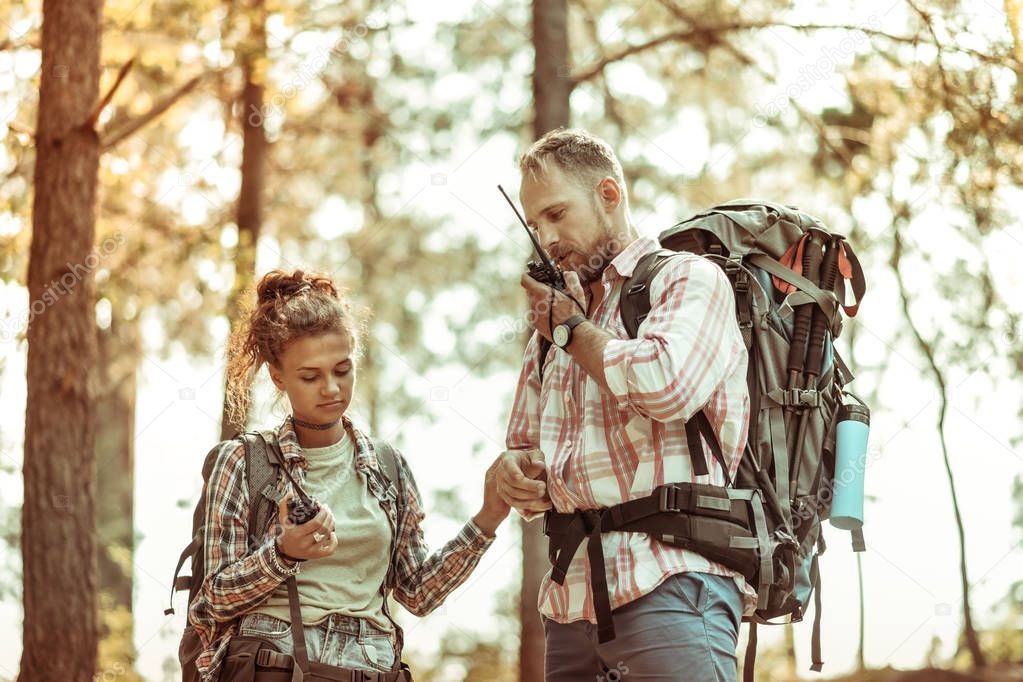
point(560, 335)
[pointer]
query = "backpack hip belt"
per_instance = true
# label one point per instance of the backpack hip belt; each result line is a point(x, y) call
point(725, 525)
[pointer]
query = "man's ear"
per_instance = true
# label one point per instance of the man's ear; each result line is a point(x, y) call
point(610, 193)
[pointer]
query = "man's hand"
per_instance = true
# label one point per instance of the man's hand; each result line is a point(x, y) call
point(540, 313)
point(520, 480)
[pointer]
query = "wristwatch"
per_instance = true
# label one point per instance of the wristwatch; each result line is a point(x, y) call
point(562, 334)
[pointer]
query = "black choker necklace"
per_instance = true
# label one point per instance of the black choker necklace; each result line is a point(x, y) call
point(317, 427)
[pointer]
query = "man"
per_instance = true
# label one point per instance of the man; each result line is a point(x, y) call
point(603, 423)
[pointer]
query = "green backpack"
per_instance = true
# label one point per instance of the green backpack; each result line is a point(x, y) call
point(767, 523)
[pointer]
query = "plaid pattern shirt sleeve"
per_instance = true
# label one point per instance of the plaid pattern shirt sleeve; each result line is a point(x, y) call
point(422, 581)
point(676, 362)
point(241, 575)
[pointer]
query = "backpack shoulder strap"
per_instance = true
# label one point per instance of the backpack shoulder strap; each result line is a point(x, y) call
point(634, 298)
point(545, 347)
point(387, 458)
point(261, 470)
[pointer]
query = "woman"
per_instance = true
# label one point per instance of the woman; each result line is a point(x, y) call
point(342, 561)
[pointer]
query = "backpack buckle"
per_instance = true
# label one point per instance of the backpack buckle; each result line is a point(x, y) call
point(741, 282)
point(268, 658)
point(667, 500)
point(799, 397)
point(806, 397)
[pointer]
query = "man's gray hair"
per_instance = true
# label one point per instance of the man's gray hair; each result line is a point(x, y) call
point(578, 153)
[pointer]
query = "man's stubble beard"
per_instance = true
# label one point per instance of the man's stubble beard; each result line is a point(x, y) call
point(602, 254)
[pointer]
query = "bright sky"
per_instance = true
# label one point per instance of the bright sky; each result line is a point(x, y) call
point(910, 568)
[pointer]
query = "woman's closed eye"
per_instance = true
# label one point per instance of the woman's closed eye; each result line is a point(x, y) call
point(340, 373)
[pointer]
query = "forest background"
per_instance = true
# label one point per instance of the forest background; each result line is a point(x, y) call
point(167, 152)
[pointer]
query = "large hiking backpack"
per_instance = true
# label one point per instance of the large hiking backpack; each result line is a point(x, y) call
point(262, 469)
point(788, 273)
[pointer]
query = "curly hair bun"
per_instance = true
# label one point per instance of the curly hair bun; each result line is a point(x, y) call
point(278, 285)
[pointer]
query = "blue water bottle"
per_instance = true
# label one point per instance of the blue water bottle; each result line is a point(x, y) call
point(850, 465)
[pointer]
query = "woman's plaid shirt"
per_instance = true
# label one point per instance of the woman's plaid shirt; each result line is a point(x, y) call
point(242, 574)
point(605, 448)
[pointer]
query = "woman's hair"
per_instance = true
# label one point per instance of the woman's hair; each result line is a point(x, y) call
point(286, 307)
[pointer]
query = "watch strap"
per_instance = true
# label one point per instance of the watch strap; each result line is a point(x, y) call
point(574, 321)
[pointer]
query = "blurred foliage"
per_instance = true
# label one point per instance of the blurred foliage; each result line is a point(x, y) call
point(116, 650)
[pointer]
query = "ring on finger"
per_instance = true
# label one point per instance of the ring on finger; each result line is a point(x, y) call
point(318, 537)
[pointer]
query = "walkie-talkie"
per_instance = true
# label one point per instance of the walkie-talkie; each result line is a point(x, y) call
point(305, 508)
point(544, 270)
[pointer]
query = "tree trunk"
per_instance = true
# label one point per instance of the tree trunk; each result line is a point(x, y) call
point(58, 540)
point(861, 660)
point(115, 482)
point(790, 651)
point(552, 83)
point(551, 89)
point(926, 347)
point(250, 196)
point(534, 567)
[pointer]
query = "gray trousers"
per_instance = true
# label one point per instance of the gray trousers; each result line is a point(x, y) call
point(686, 630)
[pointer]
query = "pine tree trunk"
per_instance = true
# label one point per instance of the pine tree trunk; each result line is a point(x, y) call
point(552, 82)
point(551, 89)
point(115, 479)
point(58, 540)
point(790, 651)
point(250, 195)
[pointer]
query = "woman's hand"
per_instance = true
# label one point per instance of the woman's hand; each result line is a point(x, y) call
point(521, 480)
point(495, 509)
point(314, 539)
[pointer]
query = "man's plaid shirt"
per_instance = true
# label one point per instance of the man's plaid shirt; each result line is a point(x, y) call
point(605, 448)
point(241, 575)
